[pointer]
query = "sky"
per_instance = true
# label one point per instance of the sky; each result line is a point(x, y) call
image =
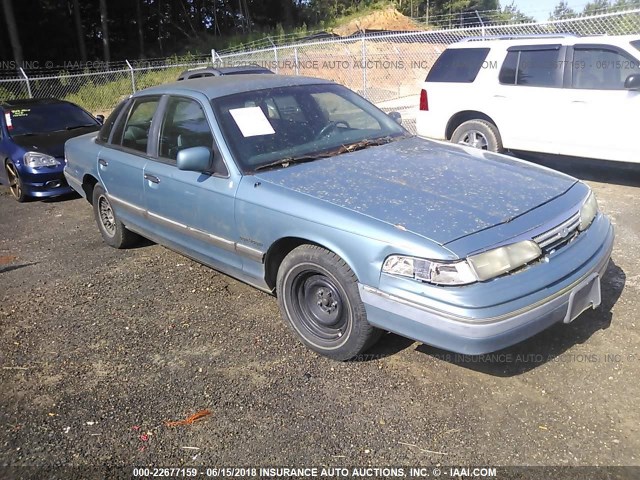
point(540, 9)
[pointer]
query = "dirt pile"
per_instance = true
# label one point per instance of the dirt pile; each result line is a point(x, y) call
point(387, 19)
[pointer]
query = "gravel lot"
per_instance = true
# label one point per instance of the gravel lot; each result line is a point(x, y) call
point(100, 347)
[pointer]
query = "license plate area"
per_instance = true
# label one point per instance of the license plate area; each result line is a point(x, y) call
point(585, 296)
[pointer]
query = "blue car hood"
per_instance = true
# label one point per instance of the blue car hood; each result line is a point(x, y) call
point(435, 190)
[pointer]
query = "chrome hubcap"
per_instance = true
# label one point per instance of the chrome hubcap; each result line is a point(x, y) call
point(475, 139)
point(107, 218)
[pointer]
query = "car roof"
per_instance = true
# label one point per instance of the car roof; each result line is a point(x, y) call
point(30, 102)
point(244, 68)
point(223, 70)
point(564, 39)
point(215, 87)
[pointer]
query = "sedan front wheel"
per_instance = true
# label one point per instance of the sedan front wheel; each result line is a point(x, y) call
point(319, 299)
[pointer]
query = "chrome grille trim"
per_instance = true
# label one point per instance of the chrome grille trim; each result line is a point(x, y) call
point(565, 230)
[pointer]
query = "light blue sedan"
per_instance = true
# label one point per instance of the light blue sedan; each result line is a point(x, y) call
point(302, 188)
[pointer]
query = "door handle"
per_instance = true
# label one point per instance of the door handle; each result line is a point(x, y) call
point(151, 178)
point(103, 163)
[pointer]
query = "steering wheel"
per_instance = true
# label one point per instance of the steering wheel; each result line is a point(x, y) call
point(330, 127)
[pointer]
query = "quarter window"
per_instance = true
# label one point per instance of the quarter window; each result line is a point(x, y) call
point(136, 130)
point(602, 69)
point(105, 131)
point(185, 125)
point(458, 65)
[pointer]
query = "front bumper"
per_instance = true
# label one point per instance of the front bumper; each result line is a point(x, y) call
point(44, 182)
point(476, 336)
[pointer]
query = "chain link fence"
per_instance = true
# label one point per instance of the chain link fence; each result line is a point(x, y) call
point(386, 68)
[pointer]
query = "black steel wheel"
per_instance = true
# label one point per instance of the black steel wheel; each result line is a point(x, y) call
point(319, 299)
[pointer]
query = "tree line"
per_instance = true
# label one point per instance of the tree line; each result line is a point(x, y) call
point(65, 30)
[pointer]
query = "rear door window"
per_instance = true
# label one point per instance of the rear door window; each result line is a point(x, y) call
point(135, 134)
point(458, 65)
point(532, 67)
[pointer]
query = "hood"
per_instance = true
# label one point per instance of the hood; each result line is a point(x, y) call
point(439, 191)
point(50, 143)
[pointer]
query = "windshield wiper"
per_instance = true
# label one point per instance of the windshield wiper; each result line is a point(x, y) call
point(80, 126)
point(366, 143)
point(285, 162)
point(352, 147)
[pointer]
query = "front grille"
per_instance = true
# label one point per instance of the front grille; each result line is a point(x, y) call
point(560, 236)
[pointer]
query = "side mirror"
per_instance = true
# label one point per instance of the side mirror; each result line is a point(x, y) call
point(396, 117)
point(632, 82)
point(194, 159)
point(100, 119)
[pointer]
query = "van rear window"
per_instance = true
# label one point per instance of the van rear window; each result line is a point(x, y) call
point(458, 65)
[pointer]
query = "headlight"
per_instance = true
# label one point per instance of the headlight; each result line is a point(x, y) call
point(439, 273)
point(504, 259)
point(36, 159)
point(483, 266)
point(588, 212)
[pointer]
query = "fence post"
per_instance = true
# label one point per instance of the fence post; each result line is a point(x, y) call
point(481, 22)
point(133, 78)
point(213, 57)
point(295, 58)
point(275, 52)
point(26, 79)
point(364, 66)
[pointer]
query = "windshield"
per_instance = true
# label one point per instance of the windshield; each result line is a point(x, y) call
point(46, 119)
point(263, 127)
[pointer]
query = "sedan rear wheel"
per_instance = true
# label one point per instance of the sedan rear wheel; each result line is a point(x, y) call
point(113, 230)
point(15, 183)
point(319, 299)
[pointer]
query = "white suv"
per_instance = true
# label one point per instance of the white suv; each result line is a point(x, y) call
point(561, 94)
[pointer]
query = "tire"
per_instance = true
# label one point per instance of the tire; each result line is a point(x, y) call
point(319, 299)
point(112, 230)
point(15, 183)
point(478, 134)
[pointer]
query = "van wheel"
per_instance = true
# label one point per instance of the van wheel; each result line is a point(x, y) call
point(319, 299)
point(478, 134)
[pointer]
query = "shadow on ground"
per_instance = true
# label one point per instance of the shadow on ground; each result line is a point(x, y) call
point(605, 171)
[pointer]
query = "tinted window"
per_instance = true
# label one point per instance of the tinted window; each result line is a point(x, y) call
point(532, 68)
point(105, 131)
point(136, 130)
point(460, 65)
point(185, 125)
point(601, 69)
point(509, 67)
point(47, 118)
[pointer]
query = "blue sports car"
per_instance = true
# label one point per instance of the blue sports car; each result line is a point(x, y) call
point(32, 136)
point(304, 189)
